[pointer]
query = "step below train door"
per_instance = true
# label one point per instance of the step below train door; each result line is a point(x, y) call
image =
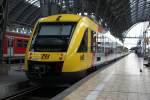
point(10, 49)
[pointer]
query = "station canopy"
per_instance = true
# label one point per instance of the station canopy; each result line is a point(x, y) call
point(115, 15)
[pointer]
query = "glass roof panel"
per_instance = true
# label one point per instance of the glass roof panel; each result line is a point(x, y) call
point(135, 34)
point(34, 2)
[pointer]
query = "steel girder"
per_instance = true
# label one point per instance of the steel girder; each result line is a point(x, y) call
point(3, 18)
point(19, 11)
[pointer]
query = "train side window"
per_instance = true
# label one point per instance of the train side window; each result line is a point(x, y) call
point(93, 41)
point(84, 42)
point(19, 43)
point(25, 43)
point(100, 45)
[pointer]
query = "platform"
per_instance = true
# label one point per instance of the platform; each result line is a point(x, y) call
point(121, 80)
point(12, 79)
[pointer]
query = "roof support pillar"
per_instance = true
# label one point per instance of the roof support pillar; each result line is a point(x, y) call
point(97, 9)
point(3, 17)
point(44, 7)
point(77, 6)
point(48, 7)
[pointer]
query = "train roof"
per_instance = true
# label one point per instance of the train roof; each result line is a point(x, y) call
point(16, 34)
point(61, 18)
point(68, 18)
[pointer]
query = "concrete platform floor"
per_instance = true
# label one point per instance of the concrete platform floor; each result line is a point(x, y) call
point(12, 78)
point(121, 81)
point(11, 72)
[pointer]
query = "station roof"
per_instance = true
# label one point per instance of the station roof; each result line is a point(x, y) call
point(120, 15)
point(115, 15)
point(24, 12)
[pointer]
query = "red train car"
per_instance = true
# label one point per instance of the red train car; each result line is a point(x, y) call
point(14, 45)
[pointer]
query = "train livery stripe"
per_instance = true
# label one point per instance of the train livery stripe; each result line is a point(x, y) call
point(8, 36)
point(15, 55)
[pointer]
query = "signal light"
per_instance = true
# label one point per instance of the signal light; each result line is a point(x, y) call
point(61, 56)
point(30, 56)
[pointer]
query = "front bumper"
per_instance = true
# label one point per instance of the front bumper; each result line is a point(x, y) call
point(51, 72)
point(64, 77)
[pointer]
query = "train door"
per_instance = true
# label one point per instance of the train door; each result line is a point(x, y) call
point(100, 47)
point(89, 54)
point(83, 50)
point(10, 49)
point(98, 43)
point(93, 46)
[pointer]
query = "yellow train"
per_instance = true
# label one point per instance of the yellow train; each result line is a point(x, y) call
point(67, 45)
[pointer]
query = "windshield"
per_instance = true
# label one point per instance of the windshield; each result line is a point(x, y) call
point(52, 37)
point(47, 29)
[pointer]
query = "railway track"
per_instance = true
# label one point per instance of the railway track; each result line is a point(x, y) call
point(22, 94)
point(36, 93)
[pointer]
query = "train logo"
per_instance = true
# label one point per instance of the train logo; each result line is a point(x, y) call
point(45, 56)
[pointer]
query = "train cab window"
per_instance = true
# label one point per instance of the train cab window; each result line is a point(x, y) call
point(52, 36)
point(84, 42)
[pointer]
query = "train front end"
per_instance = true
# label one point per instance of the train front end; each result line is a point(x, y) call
point(48, 46)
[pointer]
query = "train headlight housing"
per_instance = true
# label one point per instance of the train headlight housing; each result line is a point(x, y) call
point(61, 57)
point(30, 55)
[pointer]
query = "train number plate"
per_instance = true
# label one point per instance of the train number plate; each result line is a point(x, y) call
point(45, 56)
